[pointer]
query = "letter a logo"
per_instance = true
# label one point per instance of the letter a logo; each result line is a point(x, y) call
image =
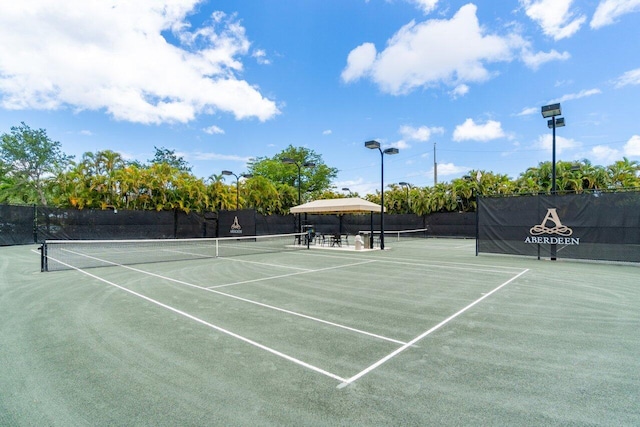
point(236, 224)
point(558, 228)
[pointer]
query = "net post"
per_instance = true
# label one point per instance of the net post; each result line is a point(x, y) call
point(217, 248)
point(43, 258)
point(477, 220)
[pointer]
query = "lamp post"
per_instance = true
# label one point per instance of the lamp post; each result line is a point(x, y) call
point(242, 175)
point(347, 190)
point(407, 186)
point(376, 145)
point(552, 111)
point(290, 161)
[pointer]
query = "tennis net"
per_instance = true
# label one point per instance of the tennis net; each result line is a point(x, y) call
point(70, 254)
point(397, 235)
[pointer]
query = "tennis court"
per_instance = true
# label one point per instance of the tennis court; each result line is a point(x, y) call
point(423, 333)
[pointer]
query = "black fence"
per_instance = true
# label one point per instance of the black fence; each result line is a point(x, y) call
point(33, 224)
point(594, 226)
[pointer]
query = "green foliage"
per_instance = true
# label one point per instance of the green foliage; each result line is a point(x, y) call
point(164, 155)
point(28, 157)
point(33, 170)
point(313, 179)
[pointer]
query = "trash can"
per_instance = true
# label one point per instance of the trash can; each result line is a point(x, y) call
point(358, 243)
point(367, 241)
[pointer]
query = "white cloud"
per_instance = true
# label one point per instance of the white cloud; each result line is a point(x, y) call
point(400, 145)
point(528, 111)
point(215, 156)
point(261, 57)
point(581, 94)
point(359, 62)
point(629, 78)
point(632, 147)
point(554, 17)
point(458, 91)
point(427, 6)
point(609, 10)
point(448, 169)
point(469, 130)
point(98, 55)
point(604, 154)
point(422, 134)
point(545, 142)
point(426, 54)
point(327, 132)
point(213, 130)
point(535, 60)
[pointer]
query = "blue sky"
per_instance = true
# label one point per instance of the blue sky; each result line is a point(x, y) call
point(221, 82)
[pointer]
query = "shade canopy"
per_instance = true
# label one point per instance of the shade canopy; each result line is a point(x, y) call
point(337, 206)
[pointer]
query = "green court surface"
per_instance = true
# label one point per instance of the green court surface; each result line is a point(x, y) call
point(423, 333)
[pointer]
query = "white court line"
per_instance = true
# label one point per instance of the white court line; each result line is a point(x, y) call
point(223, 258)
point(240, 260)
point(424, 334)
point(441, 264)
point(212, 326)
point(291, 274)
point(282, 310)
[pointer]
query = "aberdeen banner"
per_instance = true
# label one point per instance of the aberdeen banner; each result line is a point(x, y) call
point(597, 226)
point(237, 223)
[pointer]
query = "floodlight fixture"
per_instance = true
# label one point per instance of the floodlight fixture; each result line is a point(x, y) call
point(290, 161)
point(559, 122)
point(242, 175)
point(551, 110)
point(372, 145)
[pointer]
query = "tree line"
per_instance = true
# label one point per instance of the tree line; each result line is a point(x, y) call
point(34, 170)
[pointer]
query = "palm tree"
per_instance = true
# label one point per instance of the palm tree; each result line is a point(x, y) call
point(624, 173)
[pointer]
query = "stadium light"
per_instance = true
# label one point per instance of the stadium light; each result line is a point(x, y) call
point(290, 161)
point(242, 175)
point(376, 145)
point(407, 186)
point(552, 111)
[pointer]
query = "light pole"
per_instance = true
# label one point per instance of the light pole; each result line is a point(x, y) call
point(552, 111)
point(290, 161)
point(376, 145)
point(407, 186)
point(242, 175)
point(348, 191)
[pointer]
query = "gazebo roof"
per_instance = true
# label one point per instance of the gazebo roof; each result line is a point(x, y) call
point(337, 206)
